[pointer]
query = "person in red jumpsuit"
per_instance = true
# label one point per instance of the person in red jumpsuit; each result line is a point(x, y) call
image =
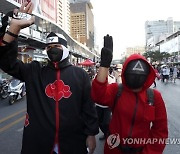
point(136, 127)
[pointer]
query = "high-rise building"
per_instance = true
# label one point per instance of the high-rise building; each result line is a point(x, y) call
point(58, 11)
point(155, 30)
point(132, 50)
point(63, 15)
point(82, 22)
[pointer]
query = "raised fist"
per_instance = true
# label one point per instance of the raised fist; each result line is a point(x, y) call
point(107, 52)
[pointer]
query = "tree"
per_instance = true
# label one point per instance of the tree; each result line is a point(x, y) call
point(156, 55)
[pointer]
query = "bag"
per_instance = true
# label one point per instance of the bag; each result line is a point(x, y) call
point(150, 95)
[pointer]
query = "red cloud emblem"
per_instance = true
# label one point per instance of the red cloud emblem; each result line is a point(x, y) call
point(57, 90)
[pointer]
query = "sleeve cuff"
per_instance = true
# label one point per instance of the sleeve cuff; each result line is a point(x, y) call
point(8, 46)
point(100, 83)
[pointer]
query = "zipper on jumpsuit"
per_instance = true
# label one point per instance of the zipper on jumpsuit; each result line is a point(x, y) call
point(56, 142)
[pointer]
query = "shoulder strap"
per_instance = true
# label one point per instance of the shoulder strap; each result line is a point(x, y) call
point(120, 88)
point(150, 95)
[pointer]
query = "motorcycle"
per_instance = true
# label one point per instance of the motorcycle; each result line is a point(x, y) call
point(4, 88)
point(16, 90)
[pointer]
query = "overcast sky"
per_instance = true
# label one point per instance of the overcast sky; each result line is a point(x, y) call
point(125, 20)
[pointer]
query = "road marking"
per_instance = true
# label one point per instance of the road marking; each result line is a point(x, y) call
point(11, 124)
point(12, 115)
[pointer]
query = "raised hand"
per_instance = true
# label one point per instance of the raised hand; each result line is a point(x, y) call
point(25, 22)
point(107, 52)
point(20, 18)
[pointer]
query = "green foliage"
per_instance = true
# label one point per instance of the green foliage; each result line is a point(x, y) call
point(156, 55)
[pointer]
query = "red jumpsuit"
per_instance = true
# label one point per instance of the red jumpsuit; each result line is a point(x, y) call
point(133, 118)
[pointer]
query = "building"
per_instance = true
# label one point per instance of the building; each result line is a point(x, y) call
point(63, 15)
point(57, 11)
point(49, 9)
point(82, 22)
point(33, 38)
point(132, 50)
point(44, 7)
point(155, 31)
point(171, 45)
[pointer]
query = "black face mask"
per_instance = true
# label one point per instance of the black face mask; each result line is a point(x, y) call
point(135, 81)
point(55, 54)
point(136, 74)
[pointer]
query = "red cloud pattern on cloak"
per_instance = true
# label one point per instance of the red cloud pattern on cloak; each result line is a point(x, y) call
point(58, 90)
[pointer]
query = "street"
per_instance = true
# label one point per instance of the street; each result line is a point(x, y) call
point(12, 120)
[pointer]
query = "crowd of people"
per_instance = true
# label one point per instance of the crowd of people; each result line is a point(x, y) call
point(169, 73)
point(166, 73)
point(114, 71)
point(62, 117)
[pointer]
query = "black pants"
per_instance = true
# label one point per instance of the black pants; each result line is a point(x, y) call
point(154, 83)
point(104, 117)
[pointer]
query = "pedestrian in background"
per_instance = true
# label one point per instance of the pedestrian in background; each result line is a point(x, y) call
point(117, 73)
point(157, 75)
point(175, 73)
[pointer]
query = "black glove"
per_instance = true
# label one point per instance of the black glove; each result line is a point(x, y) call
point(107, 52)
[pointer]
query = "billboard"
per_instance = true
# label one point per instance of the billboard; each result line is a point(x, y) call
point(37, 4)
point(47, 8)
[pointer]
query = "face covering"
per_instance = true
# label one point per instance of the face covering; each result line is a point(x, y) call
point(136, 74)
point(55, 54)
point(135, 81)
